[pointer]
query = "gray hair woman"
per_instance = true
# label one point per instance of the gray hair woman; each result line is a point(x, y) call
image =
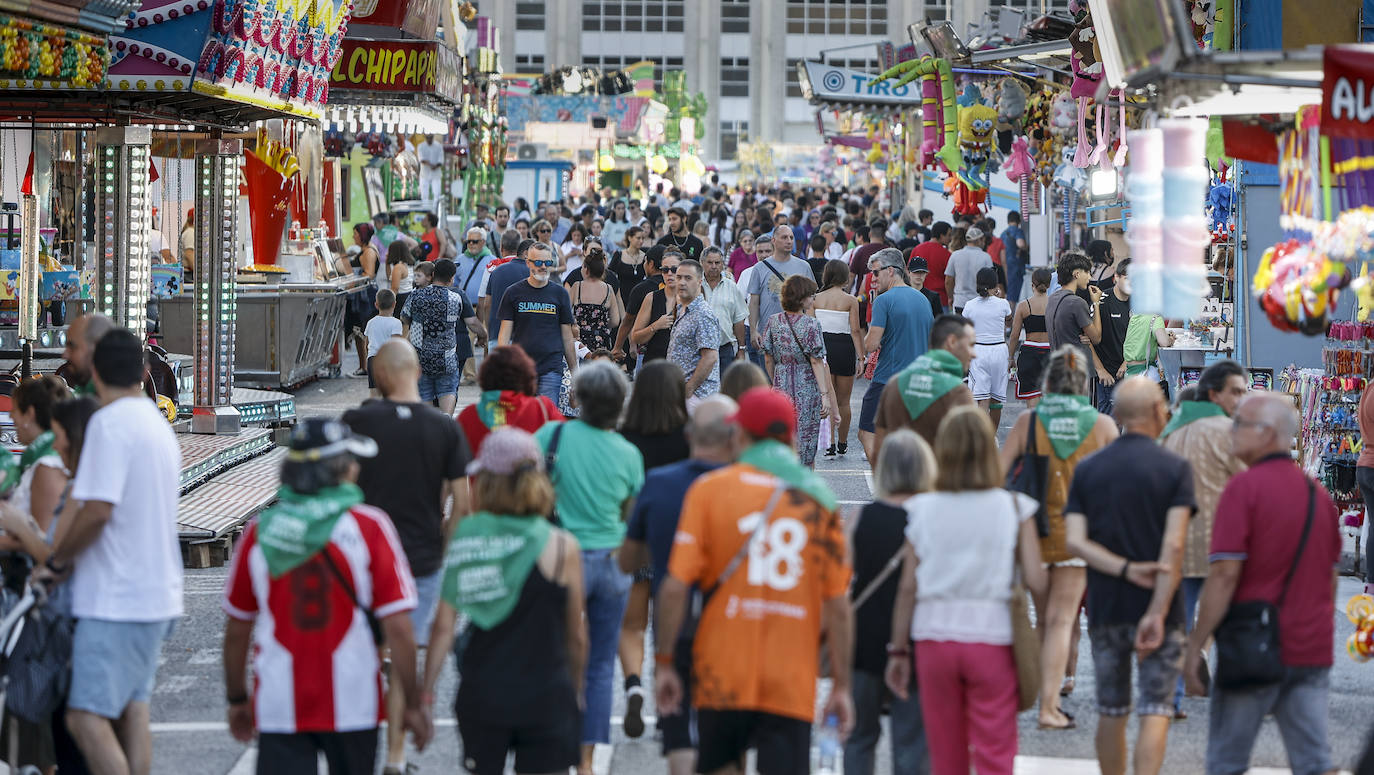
point(596, 475)
point(906, 467)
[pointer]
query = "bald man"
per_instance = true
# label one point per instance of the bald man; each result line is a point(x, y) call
point(1272, 522)
point(82, 336)
point(649, 541)
point(422, 459)
point(1126, 516)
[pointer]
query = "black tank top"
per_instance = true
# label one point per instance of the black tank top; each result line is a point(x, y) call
point(1033, 324)
point(880, 532)
point(657, 347)
point(517, 672)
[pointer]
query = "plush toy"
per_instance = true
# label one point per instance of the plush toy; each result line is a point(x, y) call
point(1297, 287)
point(1063, 116)
point(910, 70)
point(1219, 206)
point(1011, 111)
point(1360, 611)
point(977, 121)
point(1086, 63)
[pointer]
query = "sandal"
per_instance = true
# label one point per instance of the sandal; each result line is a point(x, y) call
point(1071, 724)
point(1066, 688)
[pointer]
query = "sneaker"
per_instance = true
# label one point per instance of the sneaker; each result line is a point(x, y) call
point(844, 448)
point(634, 717)
point(830, 451)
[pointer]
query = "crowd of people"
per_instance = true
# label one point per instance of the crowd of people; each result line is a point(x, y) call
point(661, 378)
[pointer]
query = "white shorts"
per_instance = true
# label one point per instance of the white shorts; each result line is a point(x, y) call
point(987, 375)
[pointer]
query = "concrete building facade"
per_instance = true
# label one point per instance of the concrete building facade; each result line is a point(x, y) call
point(741, 54)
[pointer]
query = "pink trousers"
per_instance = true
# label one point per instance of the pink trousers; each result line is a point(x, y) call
point(968, 701)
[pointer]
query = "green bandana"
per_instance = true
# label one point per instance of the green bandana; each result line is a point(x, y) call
point(1188, 411)
point(1068, 420)
point(299, 526)
point(12, 470)
point(781, 461)
point(87, 389)
point(927, 379)
point(487, 563)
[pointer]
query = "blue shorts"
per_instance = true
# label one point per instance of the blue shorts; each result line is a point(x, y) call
point(427, 601)
point(115, 664)
point(435, 387)
point(870, 406)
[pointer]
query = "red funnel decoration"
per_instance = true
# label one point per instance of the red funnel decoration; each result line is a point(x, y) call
point(268, 194)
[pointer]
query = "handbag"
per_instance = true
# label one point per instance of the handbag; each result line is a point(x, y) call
point(1248, 654)
point(1029, 475)
point(1025, 643)
point(38, 671)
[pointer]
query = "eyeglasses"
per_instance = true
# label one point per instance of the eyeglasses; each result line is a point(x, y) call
point(547, 263)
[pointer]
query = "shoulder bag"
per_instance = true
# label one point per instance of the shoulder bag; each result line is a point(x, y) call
point(1025, 643)
point(1248, 654)
point(38, 667)
point(1029, 475)
point(551, 458)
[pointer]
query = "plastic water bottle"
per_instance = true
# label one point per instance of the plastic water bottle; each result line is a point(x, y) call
point(828, 747)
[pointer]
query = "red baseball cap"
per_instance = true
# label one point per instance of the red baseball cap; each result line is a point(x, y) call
point(766, 413)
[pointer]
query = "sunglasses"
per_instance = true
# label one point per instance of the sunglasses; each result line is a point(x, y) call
point(545, 230)
point(544, 263)
point(670, 270)
point(474, 242)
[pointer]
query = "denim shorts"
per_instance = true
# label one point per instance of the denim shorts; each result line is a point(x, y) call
point(1298, 703)
point(114, 664)
point(427, 597)
point(1113, 647)
point(434, 387)
point(869, 412)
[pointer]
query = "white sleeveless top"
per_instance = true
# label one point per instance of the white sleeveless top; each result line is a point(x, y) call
point(22, 496)
point(833, 321)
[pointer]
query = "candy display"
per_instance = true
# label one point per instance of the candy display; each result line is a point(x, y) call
point(43, 52)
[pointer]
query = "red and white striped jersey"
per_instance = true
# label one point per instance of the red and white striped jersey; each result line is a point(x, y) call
point(315, 666)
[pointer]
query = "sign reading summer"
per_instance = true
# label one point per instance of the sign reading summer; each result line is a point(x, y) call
point(828, 83)
point(424, 66)
point(1348, 92)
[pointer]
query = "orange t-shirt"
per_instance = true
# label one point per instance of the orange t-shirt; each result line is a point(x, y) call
point(758, 644)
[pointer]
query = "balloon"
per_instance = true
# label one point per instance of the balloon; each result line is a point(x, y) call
point(606, 163)
point(658, 164)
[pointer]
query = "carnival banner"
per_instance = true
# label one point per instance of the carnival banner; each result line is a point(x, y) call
point(1348, 92)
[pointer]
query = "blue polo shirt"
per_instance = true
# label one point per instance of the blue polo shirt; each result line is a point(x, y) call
point(906, 320)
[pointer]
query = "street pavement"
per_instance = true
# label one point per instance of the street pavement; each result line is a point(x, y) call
point(188, 708)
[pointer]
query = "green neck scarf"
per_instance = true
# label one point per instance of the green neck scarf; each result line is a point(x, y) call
point(87, 389)
point(781, 461)
point(487, 563)
point(299, 526)
point(1188, 411)
point(1068, 420)
point(11, 470)
point(928, 379)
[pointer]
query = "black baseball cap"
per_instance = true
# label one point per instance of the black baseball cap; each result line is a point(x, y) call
point(319, 438)
point(917, 264)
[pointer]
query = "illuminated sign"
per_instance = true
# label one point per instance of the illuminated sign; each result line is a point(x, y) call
point(424, 67)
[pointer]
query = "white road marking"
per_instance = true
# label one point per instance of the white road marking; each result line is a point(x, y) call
point(175, 684)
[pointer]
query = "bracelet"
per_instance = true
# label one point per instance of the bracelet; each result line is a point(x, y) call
point(237, 699)
point(663, 659)
point(898, 651)
point(1124, 568)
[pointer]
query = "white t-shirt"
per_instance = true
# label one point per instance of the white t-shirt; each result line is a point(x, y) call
point(379, 329)
point(966, 544)
point(132, 572)
point(989, 318)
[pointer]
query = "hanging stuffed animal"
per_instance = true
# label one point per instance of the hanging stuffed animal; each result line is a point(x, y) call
point(910, 70)
point(1070, 179)
point(1063, 116)
point(1219, 206)
point(977, 120)
point(1011, 109)
point(1087, 64)
point(1297, 287)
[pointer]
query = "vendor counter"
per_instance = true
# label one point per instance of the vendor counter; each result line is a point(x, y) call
point(285, 334)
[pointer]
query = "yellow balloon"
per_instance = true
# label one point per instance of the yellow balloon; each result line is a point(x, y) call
point(658, 164)
point(690, 163)
point(606, 163)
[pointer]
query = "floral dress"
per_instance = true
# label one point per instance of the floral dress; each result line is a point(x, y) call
point(594, 320)
point(793, 375)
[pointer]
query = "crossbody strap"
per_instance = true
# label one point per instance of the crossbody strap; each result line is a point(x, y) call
point(772, 269)
point(891, 567)
point(1302, 542)
point(551, 456)
point(1032, 431)
point(378, 637)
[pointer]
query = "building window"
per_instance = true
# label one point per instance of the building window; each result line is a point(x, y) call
point(854, 17)
point(734, 77)
point(633, 16)
point(734, 16)
point(793, 85)
point(732, 133)
point(529, 63)
point(529, 16)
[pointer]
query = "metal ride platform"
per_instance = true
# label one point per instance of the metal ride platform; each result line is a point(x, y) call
point(212, 515)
